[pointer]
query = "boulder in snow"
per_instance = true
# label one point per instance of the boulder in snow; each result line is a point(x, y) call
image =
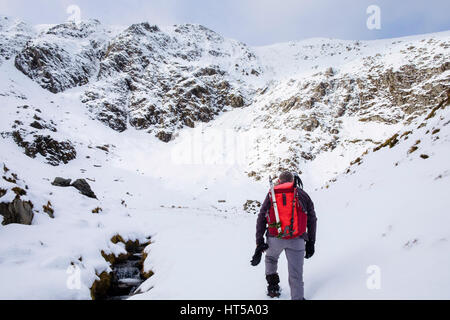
point(17, 211)
point(84, 188)
point(61, 182)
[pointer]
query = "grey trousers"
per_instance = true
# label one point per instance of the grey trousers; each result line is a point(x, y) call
point(295, 252)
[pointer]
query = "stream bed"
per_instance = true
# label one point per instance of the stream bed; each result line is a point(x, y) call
point(127, 273)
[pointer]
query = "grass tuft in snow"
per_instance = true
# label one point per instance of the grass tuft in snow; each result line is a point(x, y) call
point(391, 142)
point(101, 286)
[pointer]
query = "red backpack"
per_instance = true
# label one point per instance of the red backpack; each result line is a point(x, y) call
point(293, 218)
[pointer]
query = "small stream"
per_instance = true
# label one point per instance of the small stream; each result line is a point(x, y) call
point(127, 275)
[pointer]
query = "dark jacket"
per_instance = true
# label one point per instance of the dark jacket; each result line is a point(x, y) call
point(307, 204)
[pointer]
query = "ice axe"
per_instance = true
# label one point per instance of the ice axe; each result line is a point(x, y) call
point(275, 207)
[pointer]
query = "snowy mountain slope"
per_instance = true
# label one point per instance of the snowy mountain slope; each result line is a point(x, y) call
point(188, 194)
point(132, 181)
point(345, 95)
point(162, 80)
point(367, 217)
point(143, 76)
point(14, 34)
point(396, 218)
point(64, 56)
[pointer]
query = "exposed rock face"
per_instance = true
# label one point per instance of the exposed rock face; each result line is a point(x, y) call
point(38, 138)
point(41, 124)
point(144, 77)
point(162, 81)
point(321, 111)
point(164, 136)
point(235, 101)
point(55, 152)
point(64, 57)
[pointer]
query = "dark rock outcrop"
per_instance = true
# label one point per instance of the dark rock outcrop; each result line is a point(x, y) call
point(144, 77)
point(55, 152)
point(61, 182)
point(17, 211)
point(84, 188)
point(162, 83)
point(64, 57)
point(164, 136)
point(15, 207)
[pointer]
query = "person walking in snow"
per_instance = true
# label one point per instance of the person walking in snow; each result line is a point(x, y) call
point(290, 225)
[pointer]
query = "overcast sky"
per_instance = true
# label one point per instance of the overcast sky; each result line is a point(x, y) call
point(255, 22)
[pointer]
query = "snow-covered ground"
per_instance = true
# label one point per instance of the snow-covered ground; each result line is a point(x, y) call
point(389, 215)
point(391, 211)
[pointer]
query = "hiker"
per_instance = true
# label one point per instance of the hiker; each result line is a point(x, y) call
point(296, 215)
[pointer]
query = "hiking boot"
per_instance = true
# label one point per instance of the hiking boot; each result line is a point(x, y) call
point(273, 289)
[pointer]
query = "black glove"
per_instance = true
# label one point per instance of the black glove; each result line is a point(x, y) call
point(309, 248)
point(256, 259)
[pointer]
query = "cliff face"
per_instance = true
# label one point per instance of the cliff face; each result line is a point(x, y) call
point(143, 77)
point(64, 56)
